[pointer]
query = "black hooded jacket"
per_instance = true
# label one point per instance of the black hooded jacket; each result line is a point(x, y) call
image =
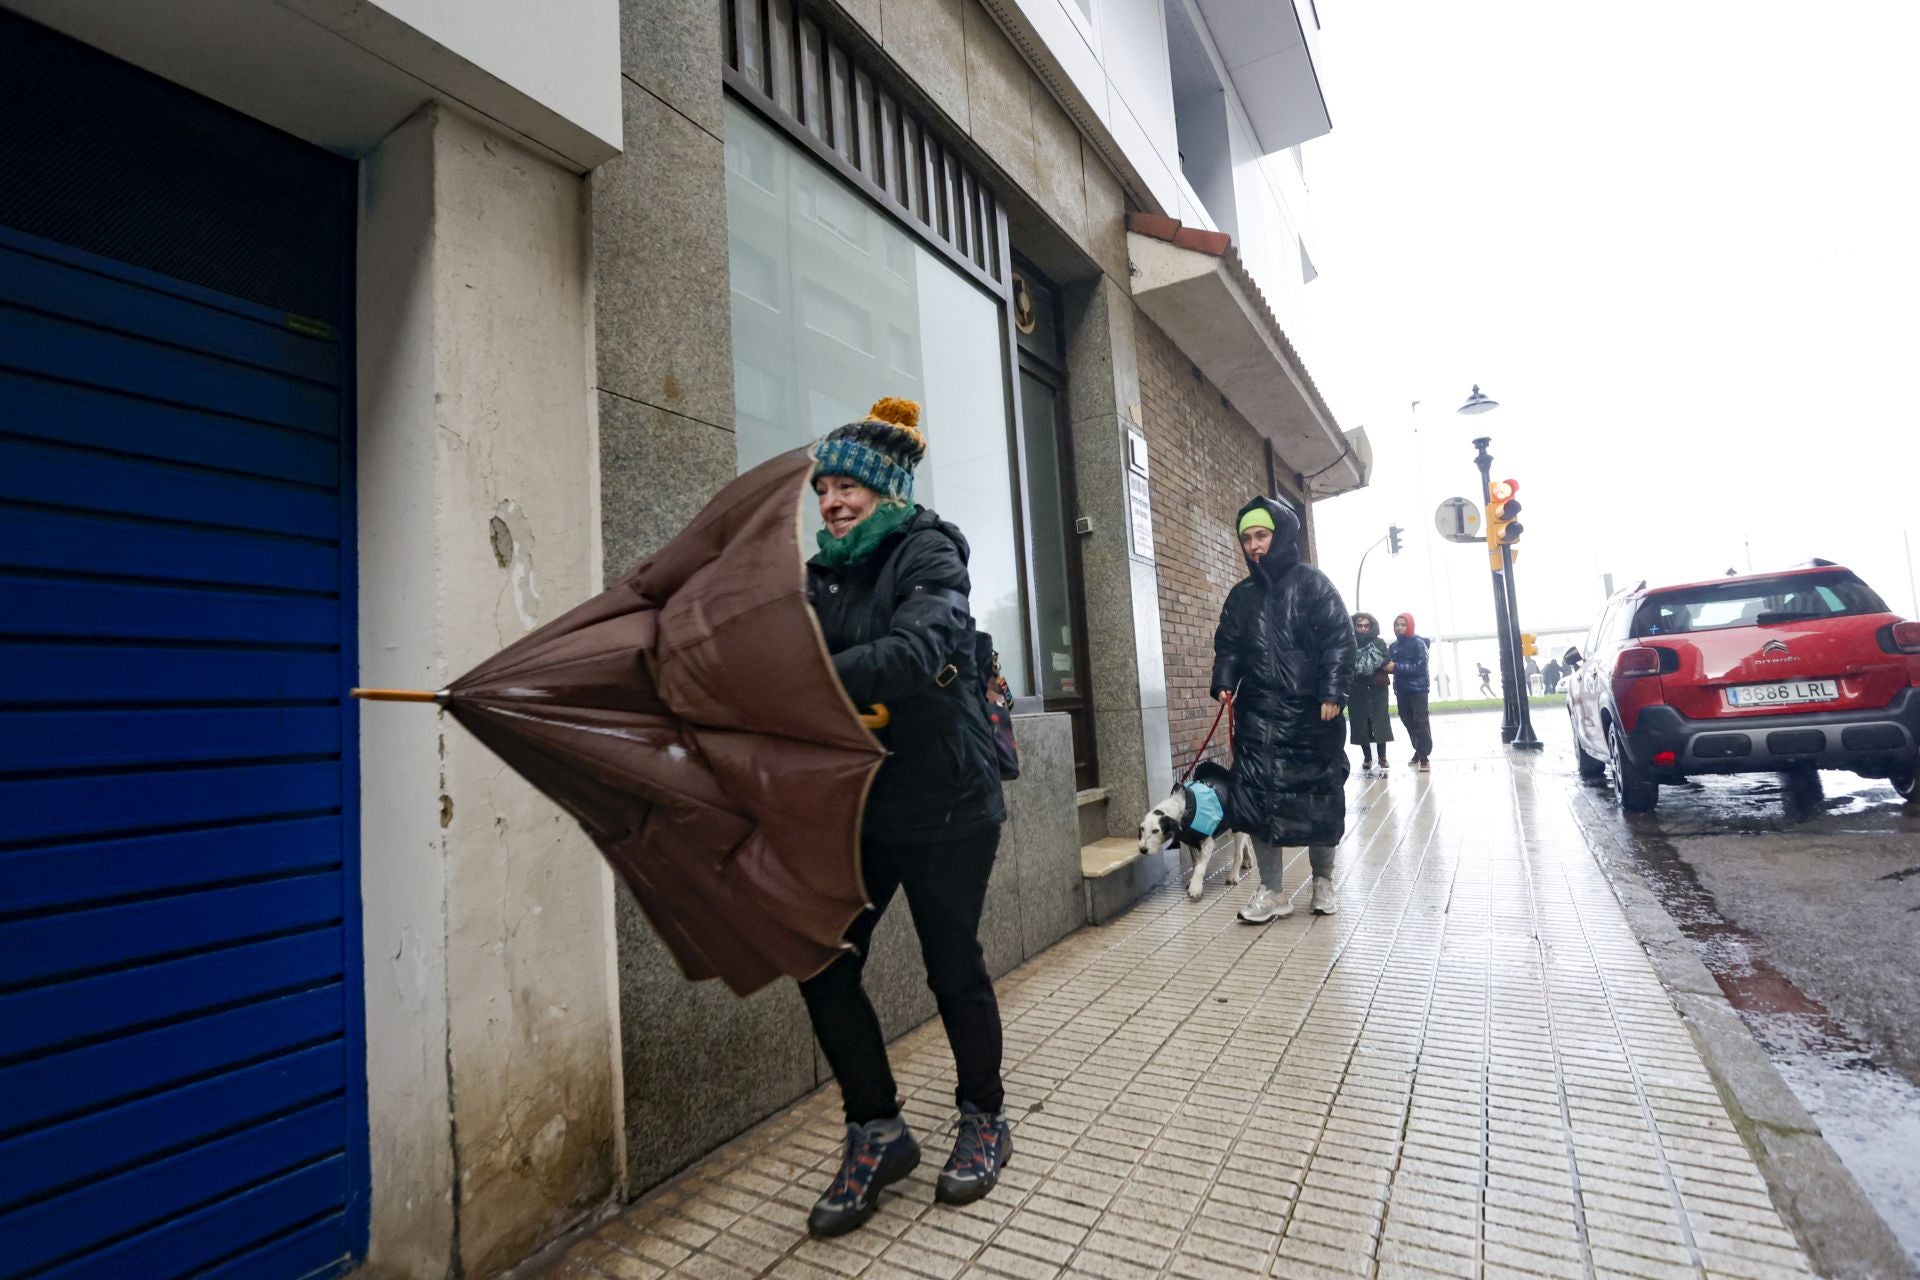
point(894, 622)
point(1285, 646)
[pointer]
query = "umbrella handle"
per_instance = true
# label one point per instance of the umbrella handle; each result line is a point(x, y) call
point(880, 717)
point(398, 695)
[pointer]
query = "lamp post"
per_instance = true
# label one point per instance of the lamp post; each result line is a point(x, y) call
point(1513, 703)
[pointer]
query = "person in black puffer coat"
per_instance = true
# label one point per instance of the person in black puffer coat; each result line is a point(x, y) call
point(1283, 654)
point(890, 589)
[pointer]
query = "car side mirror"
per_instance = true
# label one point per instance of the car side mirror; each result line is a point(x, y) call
point(1572, 658)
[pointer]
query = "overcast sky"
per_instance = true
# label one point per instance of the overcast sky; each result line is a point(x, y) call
point(1678, 241)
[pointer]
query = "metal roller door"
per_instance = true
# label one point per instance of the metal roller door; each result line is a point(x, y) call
point(180, 1044)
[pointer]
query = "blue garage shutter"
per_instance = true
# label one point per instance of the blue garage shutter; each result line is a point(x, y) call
point(181, 1064)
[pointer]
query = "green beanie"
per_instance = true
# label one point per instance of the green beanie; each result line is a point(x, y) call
point(1258, 518)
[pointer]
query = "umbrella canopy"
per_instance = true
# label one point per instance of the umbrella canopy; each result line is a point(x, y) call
point(690, 718)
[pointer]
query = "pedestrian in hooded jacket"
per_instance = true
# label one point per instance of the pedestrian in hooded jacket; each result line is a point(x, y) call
point(1283, 655)
point(1367, 703)
point(890, 588)
point(1407, 660)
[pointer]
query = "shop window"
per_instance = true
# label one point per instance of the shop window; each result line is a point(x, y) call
point(858, 308)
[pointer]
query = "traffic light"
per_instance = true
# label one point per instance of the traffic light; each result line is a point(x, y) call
point(1503, 515)
point(1393, 539)
point(1529, 645)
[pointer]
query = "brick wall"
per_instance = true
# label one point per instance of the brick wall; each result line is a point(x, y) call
point(1206, 461)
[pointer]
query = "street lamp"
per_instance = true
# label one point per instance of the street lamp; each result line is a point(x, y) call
point(1516, 725)
point(1477, 403)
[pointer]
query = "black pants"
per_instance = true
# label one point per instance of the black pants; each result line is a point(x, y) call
point(1419, 722)
point(946, 886)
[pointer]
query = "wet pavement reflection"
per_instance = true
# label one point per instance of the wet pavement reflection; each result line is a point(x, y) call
point(1769, 836)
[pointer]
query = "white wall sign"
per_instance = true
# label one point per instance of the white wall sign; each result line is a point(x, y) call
point(1139, 515)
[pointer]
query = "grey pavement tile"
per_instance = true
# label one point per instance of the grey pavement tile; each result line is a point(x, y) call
point(1396, 1257)
point(1305, 1253)
point(1499, 1257)
point(1610, 1265)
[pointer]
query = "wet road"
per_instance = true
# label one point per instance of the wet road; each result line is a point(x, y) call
point(1802, 898)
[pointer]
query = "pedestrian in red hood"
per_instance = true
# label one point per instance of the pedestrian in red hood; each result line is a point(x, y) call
point(1411, 685)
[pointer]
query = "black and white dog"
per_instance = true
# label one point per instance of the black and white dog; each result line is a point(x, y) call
point(1201, 801)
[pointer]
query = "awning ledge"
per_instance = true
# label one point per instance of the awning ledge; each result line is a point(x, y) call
point(1193, 285)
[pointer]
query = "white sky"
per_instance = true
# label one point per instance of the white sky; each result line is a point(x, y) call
point(1678, 241)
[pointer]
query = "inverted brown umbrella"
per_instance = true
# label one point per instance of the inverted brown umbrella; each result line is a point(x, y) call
point(689, 717)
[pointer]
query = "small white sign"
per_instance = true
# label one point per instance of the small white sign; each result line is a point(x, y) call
point(1457, 520)
point(1139, 515)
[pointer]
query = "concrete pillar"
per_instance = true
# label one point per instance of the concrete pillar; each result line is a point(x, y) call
point(492, 1081)
point(1123, 604)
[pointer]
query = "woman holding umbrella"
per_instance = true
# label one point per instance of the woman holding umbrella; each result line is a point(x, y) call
point(889, 586)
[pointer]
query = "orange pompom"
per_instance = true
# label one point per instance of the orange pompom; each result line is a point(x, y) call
point(897, 410)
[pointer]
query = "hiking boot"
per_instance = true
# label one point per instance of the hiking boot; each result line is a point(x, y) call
point(1324, 902)
point(982, 1150)
point(879, 1154)
point(1265, 906)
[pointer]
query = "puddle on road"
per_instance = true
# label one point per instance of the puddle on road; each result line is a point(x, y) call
point(1868, 1112)
point(1761, 804)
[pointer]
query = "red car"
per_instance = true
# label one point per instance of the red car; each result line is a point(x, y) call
point(1757, 673)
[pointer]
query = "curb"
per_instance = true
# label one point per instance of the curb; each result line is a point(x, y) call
point(1830, 1215)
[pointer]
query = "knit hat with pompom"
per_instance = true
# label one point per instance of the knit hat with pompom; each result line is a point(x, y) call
point(879, 451)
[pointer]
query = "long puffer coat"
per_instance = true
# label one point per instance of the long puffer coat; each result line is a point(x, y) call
point(895, 622)
point(1285, 645)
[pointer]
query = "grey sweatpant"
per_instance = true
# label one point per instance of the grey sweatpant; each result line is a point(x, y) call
point(1270, 858)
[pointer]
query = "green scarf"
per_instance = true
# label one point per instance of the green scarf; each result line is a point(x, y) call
point(860, 541)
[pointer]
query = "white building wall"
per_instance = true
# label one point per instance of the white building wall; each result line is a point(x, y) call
point(1116, 60)
point(344, 74)
point(564, 56)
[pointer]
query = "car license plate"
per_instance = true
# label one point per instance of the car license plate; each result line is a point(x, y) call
point(1786, 693)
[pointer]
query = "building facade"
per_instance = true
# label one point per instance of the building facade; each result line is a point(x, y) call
point(349, 342)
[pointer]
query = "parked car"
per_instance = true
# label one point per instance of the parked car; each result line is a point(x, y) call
point(1753, 673)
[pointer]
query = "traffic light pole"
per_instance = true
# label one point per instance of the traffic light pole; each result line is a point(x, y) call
point(1361, 572)
point(1510, 721)
point(1523, 738)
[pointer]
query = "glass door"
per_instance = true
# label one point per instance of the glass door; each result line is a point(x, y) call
point(1060, 662)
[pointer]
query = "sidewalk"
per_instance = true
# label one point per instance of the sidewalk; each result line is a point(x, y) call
point(1472, 1070)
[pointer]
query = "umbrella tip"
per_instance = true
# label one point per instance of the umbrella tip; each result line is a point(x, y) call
point(399, 695)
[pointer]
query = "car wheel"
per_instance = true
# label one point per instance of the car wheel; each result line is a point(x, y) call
point(1903, 782)
point(1636, 792)
point(1588, 766)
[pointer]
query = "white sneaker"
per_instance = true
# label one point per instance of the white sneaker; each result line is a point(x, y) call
point(1265, 906)
point(1324, 902)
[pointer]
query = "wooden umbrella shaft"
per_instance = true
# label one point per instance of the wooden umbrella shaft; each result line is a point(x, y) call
point(398, 695)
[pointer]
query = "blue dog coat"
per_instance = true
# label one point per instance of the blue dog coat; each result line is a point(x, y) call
point(1208, 813)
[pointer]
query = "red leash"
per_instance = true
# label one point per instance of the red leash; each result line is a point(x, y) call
point(1226, 709)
